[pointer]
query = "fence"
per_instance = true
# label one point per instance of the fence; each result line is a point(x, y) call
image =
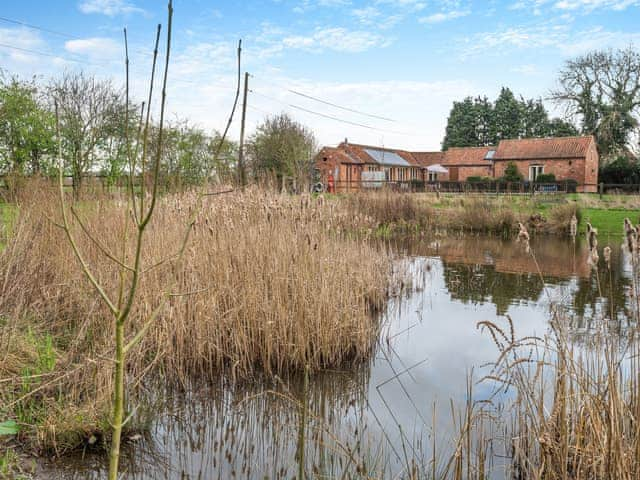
point(511, 188)
point(619, 188)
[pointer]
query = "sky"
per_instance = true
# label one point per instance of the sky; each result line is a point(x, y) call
point(393, 66)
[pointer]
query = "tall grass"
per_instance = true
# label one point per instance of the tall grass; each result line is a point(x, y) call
point(577, 403)
point(266, 285)
point(386, 211)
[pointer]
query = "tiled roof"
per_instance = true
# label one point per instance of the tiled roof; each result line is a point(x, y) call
point(466, 156)
point(561, 147)
point(360, 153)
point(520, 149)
point(337, 155)
point(424, 159)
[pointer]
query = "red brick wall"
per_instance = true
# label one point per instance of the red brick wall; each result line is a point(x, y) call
point(465, 172)
point(591, 169)
point(563, 169)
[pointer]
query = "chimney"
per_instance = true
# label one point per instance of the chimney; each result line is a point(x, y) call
point(346, 141)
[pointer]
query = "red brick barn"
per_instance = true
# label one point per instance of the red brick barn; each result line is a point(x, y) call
point(568, 158)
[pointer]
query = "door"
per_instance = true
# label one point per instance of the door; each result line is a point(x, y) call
point(453, 174)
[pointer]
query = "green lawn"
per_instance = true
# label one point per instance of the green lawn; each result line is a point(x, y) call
point(607, 221)
point(7, 217)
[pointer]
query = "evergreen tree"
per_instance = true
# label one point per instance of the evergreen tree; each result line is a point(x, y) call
point(478, 122)
point(462, 125)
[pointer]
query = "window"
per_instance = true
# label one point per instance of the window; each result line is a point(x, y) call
point(534, 171)
point(433, 176)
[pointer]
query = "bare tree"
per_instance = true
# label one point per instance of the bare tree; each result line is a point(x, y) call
point(283, 147)
point(602, 89)
point(90, 112)
point(120, 298)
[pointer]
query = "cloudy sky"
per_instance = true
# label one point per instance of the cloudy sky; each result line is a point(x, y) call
point(395, 66)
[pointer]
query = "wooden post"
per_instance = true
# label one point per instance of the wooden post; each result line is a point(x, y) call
point(241, 172)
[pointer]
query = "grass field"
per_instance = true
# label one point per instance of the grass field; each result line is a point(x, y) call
point(605, 213)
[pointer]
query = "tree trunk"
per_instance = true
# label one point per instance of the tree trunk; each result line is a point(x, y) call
point(118, 402)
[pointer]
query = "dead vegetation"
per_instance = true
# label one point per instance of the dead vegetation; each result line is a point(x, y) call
point(266, 284)
point(478, 214)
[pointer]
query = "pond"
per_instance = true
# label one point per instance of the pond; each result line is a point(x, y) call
point(398, 407)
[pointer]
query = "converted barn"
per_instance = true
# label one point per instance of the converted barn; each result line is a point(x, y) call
point(351, 166)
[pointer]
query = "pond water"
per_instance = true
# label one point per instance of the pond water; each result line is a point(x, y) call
point(399, 405)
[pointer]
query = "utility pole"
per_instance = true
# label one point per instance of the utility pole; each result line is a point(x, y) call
point(241, 172)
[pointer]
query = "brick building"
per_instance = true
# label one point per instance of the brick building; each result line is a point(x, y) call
point(574, 158)
point(568, 158)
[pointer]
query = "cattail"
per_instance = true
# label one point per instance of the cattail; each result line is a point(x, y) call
point(573, 226)
point(607, 255)
point(631, 236)
point(523, 236)
point(592, 237)
point(592, 241)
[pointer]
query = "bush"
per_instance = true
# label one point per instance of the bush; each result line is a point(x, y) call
point(511, 173)
point(623, 170)
point(546, 178)
point(478, 178)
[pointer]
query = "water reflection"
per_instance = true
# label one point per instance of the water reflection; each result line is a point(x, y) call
point(397, 405)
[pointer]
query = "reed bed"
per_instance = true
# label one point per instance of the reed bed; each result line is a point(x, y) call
point(577, 403)
point(268, 284)
point(387, 211)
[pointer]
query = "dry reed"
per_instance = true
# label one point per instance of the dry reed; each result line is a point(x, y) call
point(266, 285)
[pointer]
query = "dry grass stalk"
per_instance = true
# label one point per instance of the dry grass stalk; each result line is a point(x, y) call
point(265, 285)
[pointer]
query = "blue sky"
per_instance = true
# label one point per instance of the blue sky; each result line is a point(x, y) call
point(405, 60)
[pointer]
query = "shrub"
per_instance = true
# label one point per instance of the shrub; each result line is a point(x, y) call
point(546, 178)
point(478, 179)
point(511, 173)
point(623, 170)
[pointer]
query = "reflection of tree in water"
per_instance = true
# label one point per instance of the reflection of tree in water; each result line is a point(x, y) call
point(615, 286)
point(247, 430)
point(482, 284)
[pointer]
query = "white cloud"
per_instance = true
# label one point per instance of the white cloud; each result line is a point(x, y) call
point(527, 69)
point(404, 101)
point(95, 47)
point(409, 5)
point(367, 15)
point(444, 16)
point(22, 39)
point(306, 5)
point(559, 37)
point(577, 6)
point(588, 6)
point(335, 38)
point(598, 38)
point(372, 16)
point(110, 8)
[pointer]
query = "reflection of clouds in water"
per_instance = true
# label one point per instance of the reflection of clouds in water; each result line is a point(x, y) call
point(430, 325)
point(429, 345)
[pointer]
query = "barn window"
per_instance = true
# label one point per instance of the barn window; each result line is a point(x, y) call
point(534, 171)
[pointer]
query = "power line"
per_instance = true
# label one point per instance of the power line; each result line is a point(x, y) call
point(35, 27)
point(331, 117)
point(96, 64)
point(56, 32)
point(35, 52)
point(325, 102)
